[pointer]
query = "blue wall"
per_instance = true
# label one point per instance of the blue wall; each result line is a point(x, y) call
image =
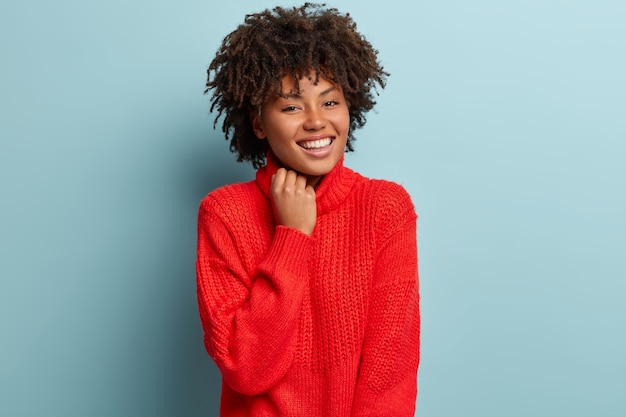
point(506, 121)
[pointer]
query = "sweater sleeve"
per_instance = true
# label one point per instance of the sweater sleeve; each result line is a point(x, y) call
point(249, 320)
point(387, 379)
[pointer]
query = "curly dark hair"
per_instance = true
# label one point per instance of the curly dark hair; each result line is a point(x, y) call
point(249, 66)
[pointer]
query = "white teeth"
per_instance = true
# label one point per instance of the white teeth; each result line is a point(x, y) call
point(315, 144)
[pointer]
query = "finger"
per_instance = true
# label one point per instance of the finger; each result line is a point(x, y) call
point(300, 182)
point(290, 178)
point(278, 178)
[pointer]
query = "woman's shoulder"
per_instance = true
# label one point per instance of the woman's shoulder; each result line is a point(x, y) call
point(386, 206)
point(386, 196)
point(231, 197)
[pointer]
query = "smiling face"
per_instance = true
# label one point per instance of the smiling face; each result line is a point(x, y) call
point(306, 130)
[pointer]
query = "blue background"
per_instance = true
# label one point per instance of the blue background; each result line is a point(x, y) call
point(505, 120)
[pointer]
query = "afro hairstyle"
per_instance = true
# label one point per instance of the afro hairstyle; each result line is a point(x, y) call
point(310, 40)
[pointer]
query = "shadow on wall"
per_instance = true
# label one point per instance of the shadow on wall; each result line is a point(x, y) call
point(195, 380)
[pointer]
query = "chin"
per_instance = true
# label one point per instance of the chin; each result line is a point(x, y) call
point(320, 171)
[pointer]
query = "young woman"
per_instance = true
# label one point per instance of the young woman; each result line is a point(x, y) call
point(307, 276)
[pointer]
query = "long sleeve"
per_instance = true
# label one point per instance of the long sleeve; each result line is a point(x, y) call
point(311, 326)
point(387, 383)
point(250, 319)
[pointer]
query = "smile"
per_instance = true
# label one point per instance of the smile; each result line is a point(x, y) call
point(315, 144)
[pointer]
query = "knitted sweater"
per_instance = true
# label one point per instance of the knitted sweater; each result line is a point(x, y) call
point(324, 325)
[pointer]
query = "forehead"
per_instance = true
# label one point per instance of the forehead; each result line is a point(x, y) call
point(290, 85)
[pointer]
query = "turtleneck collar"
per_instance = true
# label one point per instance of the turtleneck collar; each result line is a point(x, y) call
point(330, 192)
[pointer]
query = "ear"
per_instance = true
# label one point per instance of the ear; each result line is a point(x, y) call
point(257, 125)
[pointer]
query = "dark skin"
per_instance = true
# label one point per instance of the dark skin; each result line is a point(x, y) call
point(308, 40)
point(294, 200)
point(317, 116)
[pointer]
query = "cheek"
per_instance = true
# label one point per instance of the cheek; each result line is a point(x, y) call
point(287, 127)
point(281, 129)
point(343, 122)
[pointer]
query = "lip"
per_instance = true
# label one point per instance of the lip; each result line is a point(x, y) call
point(314, 138)
point(317, 152)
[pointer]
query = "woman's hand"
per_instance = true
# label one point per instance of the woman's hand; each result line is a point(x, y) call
point(294, 200)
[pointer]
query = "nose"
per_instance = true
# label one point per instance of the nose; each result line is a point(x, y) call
point(314, 120)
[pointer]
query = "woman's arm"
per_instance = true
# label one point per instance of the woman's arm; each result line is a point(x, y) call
point(250, 322)
point(387, 380)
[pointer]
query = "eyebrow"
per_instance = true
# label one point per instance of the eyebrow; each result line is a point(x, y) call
point(298, 95)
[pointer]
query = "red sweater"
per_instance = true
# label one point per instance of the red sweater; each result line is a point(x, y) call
point(324, 325)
